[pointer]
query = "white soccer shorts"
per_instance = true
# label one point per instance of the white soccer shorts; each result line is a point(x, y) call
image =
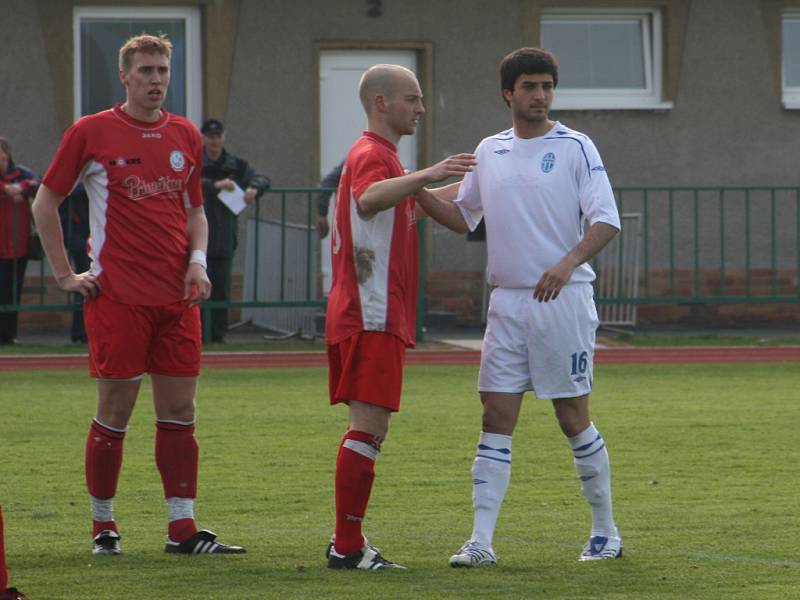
point(547, 347)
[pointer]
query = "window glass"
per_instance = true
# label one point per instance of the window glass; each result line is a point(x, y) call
point(791, 52)
point(100, 41)
point(99, 31)
point(608, 58)
point(597, 53)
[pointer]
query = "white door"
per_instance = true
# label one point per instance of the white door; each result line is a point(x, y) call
point(342, 117)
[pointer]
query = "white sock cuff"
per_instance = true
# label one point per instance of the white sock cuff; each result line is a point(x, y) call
point(180, 508)
point(367, 450)
point(109, 427)
point(174, 422)
point(587, 436)
point(494, 446)
point(102, 509)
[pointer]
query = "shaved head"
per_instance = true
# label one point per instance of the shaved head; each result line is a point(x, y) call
point(382, 80)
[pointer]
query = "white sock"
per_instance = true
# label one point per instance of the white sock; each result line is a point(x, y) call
point(491, 473)
point(594, 471)
point(180, 508)
point(102, 509)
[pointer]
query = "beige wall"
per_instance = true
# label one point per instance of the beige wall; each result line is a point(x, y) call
point(722, 60)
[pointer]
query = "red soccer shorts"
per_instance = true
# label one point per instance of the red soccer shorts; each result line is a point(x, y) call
point(367, 367)
point(127, 340)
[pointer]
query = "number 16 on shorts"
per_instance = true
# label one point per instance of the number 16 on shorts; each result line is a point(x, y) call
point(580, 363)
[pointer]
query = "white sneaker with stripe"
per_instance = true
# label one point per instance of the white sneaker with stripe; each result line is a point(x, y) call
point(473, 554)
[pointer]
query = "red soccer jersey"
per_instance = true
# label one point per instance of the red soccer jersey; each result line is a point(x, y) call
point(375, 261)
point(140, 178)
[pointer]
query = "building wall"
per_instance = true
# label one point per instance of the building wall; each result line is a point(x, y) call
point(727, 126)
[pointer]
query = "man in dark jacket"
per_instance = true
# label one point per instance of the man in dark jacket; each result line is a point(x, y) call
point(223, 171)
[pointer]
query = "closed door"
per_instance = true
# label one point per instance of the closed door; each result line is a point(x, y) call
point(342, 117)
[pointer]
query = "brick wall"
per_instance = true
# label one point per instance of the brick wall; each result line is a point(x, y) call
point(461, 293)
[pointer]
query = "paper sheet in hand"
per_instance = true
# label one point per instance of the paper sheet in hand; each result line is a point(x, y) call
point(233, 200)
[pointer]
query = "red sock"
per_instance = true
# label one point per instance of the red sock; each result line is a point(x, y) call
point(355, 472)
point(181, 530)
point(3, 568)
point(103, 464)
point(98, 526)
point(177, 456)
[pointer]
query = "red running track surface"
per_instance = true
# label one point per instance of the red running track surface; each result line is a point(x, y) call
point(262, 360)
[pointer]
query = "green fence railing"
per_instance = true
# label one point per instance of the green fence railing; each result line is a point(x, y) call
point(683, 245)
point(722, 244)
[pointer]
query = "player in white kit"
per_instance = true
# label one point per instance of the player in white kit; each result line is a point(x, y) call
point(535, 185)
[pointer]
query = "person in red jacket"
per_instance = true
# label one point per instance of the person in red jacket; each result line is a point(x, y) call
point(17, 186)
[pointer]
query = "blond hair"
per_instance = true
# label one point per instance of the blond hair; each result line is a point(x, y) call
point(144, 42)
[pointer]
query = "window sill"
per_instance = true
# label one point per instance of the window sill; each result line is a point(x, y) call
point(621, 105)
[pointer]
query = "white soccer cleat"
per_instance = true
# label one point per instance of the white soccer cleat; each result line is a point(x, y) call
point(473, 554)
point(600, 547)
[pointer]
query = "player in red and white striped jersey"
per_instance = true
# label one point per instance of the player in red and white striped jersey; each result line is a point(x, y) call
point(371, 315)
point(141, 167)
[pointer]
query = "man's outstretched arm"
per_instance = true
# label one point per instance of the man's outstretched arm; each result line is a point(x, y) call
point(388, 193)
point(439, 205)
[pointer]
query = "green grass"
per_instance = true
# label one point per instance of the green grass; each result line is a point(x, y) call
point(705, 490)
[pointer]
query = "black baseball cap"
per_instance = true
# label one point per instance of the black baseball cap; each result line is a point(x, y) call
point(212, 126)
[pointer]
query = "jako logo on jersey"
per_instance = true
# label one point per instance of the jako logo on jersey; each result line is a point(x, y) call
point(548, 162)
point(599, 168)
point(151, 135)
point(138, 189)
point(176, 160)
point(502, 151)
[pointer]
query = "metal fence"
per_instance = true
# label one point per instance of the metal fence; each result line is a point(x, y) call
point(714, 244)
point(687, 245)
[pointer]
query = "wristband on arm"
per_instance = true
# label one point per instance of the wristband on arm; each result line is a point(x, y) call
point(198, 257)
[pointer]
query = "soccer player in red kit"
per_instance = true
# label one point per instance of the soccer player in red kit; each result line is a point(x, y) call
point(141, 167)
point(371, 314)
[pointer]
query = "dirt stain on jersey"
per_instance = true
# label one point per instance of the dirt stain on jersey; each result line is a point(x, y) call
point(365, 259)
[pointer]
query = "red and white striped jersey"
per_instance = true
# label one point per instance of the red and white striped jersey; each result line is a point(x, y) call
point(375, 259)
point(140, 179)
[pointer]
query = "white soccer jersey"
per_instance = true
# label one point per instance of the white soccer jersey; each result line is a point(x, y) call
point(535, 195)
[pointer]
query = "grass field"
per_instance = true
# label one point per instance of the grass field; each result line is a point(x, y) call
point(705, 490)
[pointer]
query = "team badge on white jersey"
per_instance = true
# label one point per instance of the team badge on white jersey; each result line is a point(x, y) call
point(548, 162)
point(176, 160)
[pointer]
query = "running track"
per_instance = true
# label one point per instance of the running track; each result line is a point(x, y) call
point(261, 360)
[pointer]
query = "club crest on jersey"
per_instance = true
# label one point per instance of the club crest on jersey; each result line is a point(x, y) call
point(176, 160)
point(548, 162)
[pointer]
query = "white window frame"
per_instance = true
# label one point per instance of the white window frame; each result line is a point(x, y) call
point(790, 94)
point(194, 48)
point(649, 98)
